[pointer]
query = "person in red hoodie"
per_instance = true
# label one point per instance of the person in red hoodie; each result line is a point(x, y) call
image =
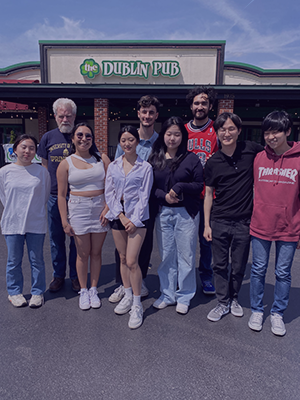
point(276, 217)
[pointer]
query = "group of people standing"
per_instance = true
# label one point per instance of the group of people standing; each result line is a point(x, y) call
point(157, 180)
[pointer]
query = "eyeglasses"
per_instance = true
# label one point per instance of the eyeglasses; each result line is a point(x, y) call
point(88, 136)
point(230, 130)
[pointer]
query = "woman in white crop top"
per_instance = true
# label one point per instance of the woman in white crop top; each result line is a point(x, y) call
point(84, 218)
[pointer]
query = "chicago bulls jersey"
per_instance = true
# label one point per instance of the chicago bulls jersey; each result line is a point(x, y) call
point(202, 141)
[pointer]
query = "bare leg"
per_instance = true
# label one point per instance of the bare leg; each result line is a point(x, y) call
point(97, 240)
point(134, 244)
point(120, 238)
point(83, 246)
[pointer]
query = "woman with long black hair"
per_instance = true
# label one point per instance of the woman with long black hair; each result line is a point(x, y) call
point(178, 182)
point(84, 172)
point(128, 185)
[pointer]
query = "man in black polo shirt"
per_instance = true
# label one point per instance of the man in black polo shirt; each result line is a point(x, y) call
point(227, 217)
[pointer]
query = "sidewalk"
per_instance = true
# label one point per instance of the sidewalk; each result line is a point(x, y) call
point(59, 352)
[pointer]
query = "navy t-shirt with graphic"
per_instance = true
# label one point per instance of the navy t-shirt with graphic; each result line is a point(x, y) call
point(54, 147)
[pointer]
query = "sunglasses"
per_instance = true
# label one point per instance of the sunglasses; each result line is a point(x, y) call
point(88, 136)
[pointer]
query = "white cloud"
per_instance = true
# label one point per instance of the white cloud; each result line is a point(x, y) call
point(244, 38)
point(247, 39)
point(70, 30)
point(25, 47)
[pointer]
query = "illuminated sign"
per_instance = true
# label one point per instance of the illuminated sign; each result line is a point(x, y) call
point(170, 69)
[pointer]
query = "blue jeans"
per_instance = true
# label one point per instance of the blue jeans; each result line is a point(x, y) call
point(15, 250)
point(57, 243)
point(229, 237)
point(176, 233)
point(283, 263)
point(205, 270)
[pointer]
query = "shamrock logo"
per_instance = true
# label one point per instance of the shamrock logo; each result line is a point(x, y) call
point(89, 68)
point(10, 155)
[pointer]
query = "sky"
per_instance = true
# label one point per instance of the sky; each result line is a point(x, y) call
point(264, 33)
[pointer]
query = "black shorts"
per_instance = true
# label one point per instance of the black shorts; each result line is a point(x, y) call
point(117, 225)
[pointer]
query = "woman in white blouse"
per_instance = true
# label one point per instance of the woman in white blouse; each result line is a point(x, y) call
point(24, 192)
point(127, 190)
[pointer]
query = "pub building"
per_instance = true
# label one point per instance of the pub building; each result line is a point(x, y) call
point(106, 78)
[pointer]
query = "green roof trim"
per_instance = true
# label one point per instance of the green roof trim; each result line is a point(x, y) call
point(95, 87)
point(35, 64)
point(131, 42)
point(258, 69)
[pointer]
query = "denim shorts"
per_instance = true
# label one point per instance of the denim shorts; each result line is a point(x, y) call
point(84, 214)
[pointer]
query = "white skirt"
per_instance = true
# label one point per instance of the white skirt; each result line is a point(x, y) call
point(84, 214)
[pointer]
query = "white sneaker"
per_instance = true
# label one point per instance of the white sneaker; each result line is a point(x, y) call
point(84, 299)
point(236, 309)
point(124, 306)
point(255, 321)
point(277, 325)
point(182, 308)
point(160, 304)
point(37, 300)
point(17, 300)
point(145, 290)
point(117, 295)
point(95, 302)
point(217, 313)
point(136, 317)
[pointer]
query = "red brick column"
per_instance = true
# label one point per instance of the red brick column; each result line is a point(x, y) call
point(42, 121)
point(225, 105)
point(101, 124)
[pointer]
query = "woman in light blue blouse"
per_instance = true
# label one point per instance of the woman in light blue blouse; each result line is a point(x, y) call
point(127, 189)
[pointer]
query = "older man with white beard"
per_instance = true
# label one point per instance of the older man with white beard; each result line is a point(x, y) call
point(56, 145)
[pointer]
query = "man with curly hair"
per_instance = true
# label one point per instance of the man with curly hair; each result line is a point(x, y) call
point(202, 142)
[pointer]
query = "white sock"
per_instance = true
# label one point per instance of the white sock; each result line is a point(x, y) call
point(128, 292)
point(136, 300)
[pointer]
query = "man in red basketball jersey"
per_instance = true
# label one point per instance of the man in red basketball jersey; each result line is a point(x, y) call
point(202, 142)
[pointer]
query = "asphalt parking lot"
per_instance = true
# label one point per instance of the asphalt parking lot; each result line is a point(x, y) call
point(61, 352)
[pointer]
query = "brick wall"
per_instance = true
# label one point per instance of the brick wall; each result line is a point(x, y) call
point(225, 106)
point(42, 121)
point(101, 124)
